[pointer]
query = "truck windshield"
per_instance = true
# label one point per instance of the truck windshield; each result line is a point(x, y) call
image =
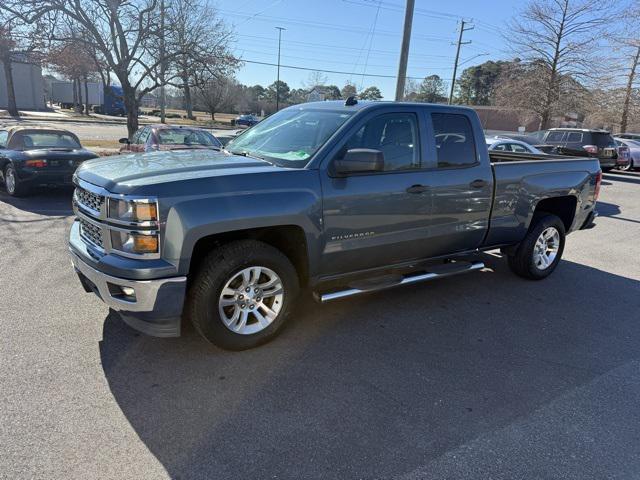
point(290, 137)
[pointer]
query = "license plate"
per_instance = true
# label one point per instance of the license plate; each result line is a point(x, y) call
point(608, 152)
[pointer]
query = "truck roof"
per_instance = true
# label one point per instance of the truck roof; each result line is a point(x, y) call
point(365, 104)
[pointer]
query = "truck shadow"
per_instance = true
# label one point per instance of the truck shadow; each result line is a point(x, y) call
point(375, 386)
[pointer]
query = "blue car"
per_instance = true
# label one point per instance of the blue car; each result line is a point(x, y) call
point(247, 120)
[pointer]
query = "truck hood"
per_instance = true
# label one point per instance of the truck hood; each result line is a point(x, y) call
point(136, 170)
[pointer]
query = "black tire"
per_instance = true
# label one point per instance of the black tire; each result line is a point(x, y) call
point(219, 267)
point(15, 188)
point(607, 169)
point(522, 260)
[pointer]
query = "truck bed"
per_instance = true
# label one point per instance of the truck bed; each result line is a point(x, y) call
point(503, 157)
point(521, 181)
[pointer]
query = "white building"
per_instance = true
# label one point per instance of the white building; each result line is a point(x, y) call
point(28, 86)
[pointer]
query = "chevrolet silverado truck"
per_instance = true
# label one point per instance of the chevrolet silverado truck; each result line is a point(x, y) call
point(333, 198)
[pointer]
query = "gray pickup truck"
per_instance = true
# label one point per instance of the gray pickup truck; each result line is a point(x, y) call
point(334, 198)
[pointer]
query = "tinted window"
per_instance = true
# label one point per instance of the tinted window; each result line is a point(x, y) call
point(554, 137)
point(454, 140)
point(30, 140)
point(395, 135)
point(3, 138)
point(602, 140)
point(574, 137)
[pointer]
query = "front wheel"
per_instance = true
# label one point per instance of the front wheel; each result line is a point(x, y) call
point(540, 251)
point(242, 295)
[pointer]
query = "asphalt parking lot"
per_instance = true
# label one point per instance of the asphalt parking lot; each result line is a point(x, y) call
point(478, 376)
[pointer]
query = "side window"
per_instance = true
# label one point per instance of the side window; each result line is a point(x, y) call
point(395, 135)
point(555, 137)
point(455, 145)
point(501, 147)
point(518, 148)
point(144, 135)
point(136, 137)
point(574, 137)
point(4, 136)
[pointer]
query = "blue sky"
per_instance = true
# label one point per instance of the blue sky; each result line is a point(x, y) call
point(357, 36)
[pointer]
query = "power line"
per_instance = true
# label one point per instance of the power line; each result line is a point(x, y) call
point(296, 67)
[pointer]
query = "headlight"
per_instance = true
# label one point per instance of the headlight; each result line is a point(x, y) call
point(134, 242)
point(134, 211)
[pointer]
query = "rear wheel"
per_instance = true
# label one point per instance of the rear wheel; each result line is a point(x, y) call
point(626, 168)
point(12, 183)
point(539, 253)
point(243, 294)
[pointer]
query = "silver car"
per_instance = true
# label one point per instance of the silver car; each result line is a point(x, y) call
point(634, 151)
point(510, 145)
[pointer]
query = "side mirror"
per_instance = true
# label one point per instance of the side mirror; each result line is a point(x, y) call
point(124, 140)
point(359, 160)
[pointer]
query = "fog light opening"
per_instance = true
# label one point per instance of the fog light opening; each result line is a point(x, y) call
point(122, 292)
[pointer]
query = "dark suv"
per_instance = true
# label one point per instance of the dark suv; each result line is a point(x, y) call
point(578, 141)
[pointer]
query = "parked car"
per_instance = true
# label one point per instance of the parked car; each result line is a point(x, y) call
point(247, 120)
point(629, 136)
point(634, 152)
point(511, 145)
point(33, 156)
point(338, 198)
point(580, 142)
point(168, 137)
point(529, 139)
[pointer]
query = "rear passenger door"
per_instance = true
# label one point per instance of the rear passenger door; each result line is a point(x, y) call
point(461, 186)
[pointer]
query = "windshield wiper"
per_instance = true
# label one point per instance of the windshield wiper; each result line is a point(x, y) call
point(245, 153)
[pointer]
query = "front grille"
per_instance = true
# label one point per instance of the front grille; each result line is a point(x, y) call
point(91, 233)
point(89, 200)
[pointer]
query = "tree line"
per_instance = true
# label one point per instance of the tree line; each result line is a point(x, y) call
point(567, 56)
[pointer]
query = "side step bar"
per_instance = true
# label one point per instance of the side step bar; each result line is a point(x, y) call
point(453, 269)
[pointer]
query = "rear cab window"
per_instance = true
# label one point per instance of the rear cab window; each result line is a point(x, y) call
point(602, 140)
point(455, 144)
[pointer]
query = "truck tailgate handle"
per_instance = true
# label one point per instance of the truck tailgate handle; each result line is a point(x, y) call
point(417, 189)
point(479, 183)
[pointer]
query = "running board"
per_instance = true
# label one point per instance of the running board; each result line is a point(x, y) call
point(448, 270)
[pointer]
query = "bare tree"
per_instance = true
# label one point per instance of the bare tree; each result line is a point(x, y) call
point(218, 94)
point(200, 40)
point(559, 36)
point(316, 79)
point(124, 34)
point(520, 85)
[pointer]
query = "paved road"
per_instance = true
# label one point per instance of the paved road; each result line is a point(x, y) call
point(479, 376)
point(88, 131)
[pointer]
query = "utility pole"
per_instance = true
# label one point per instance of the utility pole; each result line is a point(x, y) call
point(404, 50)
point(280, 29)
point(455, 65)
point(163, 97)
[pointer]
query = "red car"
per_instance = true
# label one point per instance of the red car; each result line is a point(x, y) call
point(168, 137)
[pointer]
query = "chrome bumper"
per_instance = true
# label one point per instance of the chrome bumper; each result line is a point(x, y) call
point(106, 287)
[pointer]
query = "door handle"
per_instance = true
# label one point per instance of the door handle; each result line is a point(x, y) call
point(478, 183)
point(417, 189)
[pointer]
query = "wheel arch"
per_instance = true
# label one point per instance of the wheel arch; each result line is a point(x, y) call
point(563, 207)
point(289, 239)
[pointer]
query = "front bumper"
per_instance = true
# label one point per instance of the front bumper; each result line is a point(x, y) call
point(154, 309)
